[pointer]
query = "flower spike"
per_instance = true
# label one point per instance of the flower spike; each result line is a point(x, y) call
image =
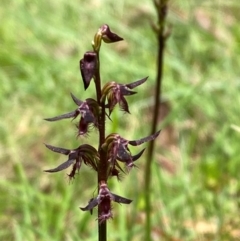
point(113, 156)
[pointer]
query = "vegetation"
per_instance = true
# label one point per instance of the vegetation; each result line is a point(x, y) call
point(195, 169)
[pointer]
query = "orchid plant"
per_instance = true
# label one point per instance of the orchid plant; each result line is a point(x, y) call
point(113, 150)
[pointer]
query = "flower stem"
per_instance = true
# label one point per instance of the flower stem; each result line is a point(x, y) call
point(102, 167)
point(102, 231)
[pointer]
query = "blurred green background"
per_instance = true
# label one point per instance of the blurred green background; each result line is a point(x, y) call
point(196, 189)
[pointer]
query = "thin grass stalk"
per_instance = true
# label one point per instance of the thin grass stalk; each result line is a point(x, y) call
point(161, 7)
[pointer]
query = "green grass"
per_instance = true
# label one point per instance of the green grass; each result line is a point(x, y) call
point(195, 189)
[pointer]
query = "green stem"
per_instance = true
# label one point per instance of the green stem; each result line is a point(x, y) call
point(161, 7)
point(102, 167)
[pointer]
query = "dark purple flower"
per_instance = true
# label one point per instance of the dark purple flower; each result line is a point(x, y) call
point(88, 65)
point(104, 33)
point(117, 150)
point(103, 201)
point(84, 153)
point(114, 93)
point(108, 36)
point(88, 110)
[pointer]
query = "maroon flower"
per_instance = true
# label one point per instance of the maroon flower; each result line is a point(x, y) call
point(108, 36)
point(115, 93)
point(117, 150)
point(88, 110)
point(103, 201)
point(88, 65)
point(84, 153)
point(104, 33)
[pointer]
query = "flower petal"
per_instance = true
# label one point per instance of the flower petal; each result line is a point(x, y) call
point(124, 90)
point(82, 127)
point(123, 154)
point(124, 105)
